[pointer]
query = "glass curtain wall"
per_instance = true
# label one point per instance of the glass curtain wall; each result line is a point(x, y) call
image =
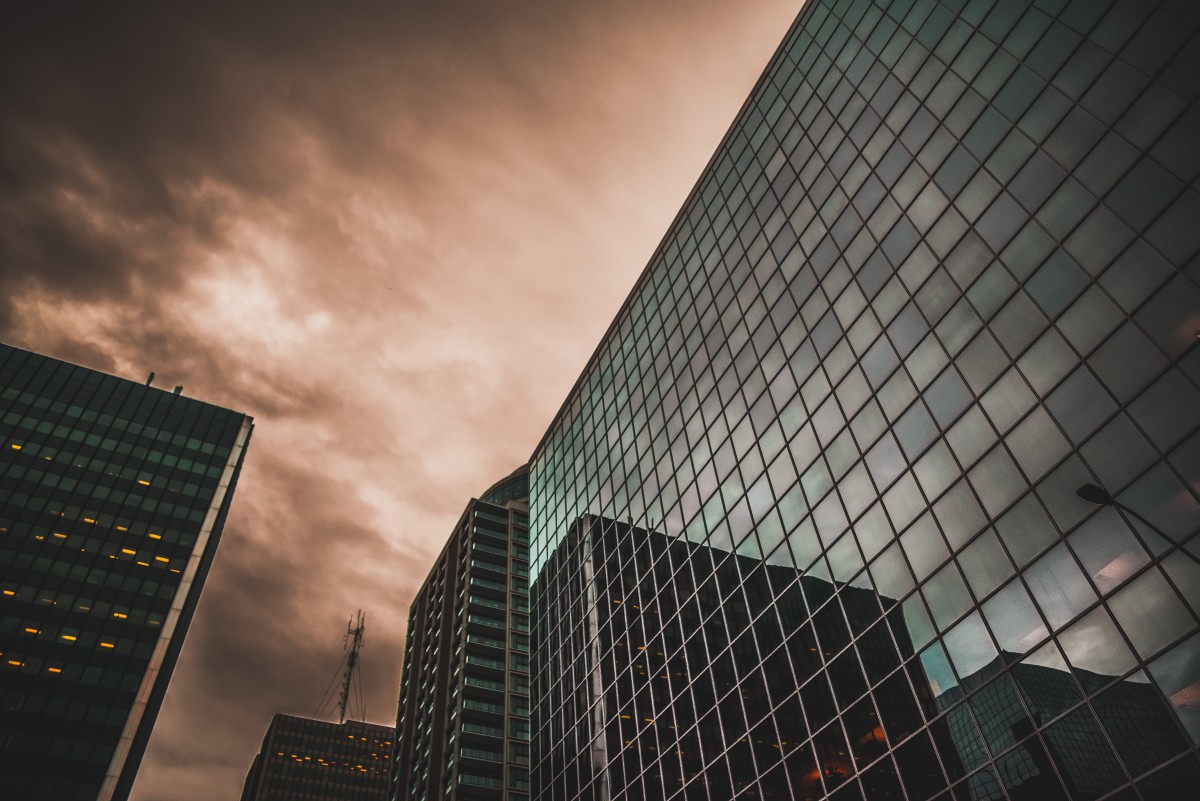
point(895, 441)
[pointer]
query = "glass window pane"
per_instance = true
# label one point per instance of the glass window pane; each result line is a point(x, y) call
point(924, 546)
point(1151, 613)
point(1014, 620)
point(1037, 444)
point(947, 595)
point(997, 481)
point(1177, 674)
point(959, 514)
point(985, 564)
point(1109, 551)
point(1026, 530)
point(1080, 404)
point(1059, 586)
point(1095, 649)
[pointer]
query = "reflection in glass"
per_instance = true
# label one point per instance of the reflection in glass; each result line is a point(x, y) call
point(1014, 620)
point(1095, 649)
point(1177, 674)
point(1150, 613)
point(1058, 586)
point(1109, 551)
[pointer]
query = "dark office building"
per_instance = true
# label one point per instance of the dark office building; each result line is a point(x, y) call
point(112, 499)
point(318, 760)
point(887, 469)
point(463, 722)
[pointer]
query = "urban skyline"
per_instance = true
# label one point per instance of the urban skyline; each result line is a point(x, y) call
point(612, 493)
point(181, 184)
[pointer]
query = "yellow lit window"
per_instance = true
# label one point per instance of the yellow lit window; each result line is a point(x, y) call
point(144, 564)
point(125, 528)
point(89, 520)
point(108, 645)
point(154, 536)
point(120, 615)
point(161, 559)
point(9, 592)
point(70, 637)
point(31, 630)
point(54, 670)
point(143, 482)
point(15, 446)
point(129, 551)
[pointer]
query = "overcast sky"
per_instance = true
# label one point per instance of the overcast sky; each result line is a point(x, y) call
point(392, 232)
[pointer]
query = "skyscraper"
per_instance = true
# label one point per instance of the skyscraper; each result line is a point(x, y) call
point(112, 500)
point(319, 760)
point(883, 482)
point(463, 720)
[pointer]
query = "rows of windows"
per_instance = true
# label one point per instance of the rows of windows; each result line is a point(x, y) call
point(933, 286)
point(463, 702)
point(106, 490)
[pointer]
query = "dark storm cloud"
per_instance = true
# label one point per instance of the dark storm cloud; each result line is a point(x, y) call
point(391, 231)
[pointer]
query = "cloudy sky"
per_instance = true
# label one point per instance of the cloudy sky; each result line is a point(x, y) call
point(392, 232)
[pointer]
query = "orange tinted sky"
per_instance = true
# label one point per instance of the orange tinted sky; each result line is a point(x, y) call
point(391, 231)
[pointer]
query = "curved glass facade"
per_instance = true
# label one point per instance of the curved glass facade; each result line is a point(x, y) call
point(883, 483)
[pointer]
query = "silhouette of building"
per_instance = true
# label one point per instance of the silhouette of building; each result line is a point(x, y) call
point(318, 760)
point(463, 719)
point(113, 496)
point(908, 398)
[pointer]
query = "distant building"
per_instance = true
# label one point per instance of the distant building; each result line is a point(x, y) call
point(318, 760)
point(463, 722)
point(113, 495)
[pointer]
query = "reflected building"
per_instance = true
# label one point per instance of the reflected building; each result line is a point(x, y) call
point(113, 496)
point(815, 519)
point(463, 719)
point(319, 760)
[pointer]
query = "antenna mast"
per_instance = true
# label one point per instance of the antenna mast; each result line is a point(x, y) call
point(353, 643)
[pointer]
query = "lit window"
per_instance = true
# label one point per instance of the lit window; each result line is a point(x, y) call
point(54, 670)
point(129, 551)
point(31, 630)
point(143, 482)
point(154, 536)
point(108, 645)
point(161, 559)
point(15, 446)
point(120, 615)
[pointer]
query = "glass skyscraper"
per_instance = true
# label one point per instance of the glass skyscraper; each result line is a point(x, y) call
point(113, 496)
point(463, 719)
point(884, 482)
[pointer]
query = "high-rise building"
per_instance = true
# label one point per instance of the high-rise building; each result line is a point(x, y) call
point(113, 495)
point(463, 720)
point(883, 482)
point(319, 760)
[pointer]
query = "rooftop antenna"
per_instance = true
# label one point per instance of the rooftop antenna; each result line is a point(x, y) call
point(353, 643)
